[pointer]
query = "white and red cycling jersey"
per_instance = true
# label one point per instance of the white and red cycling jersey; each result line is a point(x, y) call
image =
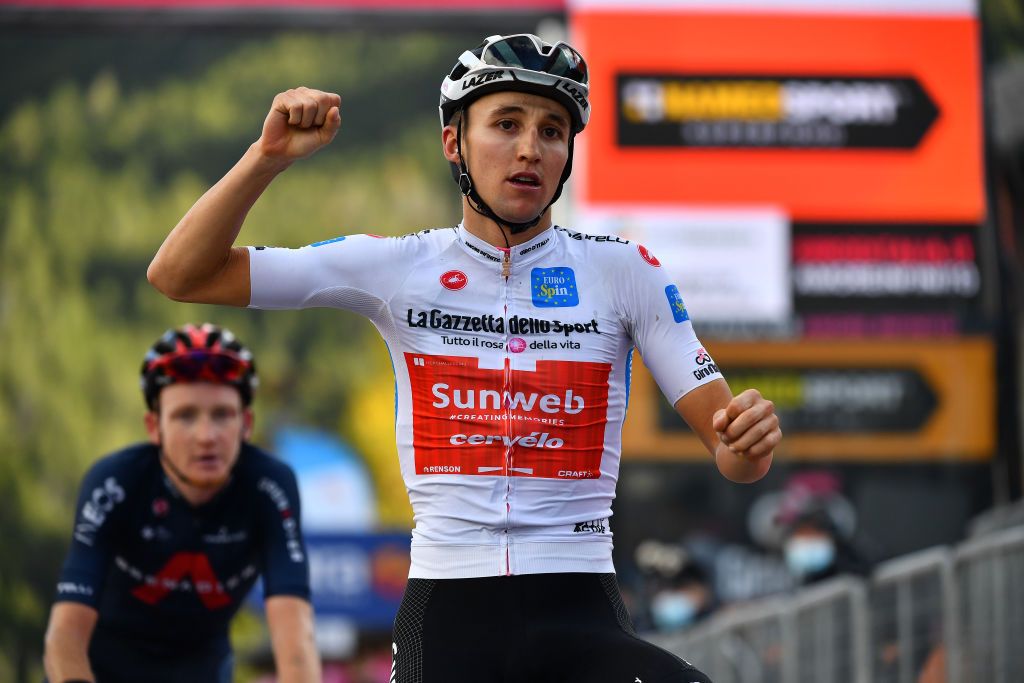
point(512, 380)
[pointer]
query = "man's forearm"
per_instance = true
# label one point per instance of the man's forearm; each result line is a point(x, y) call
point(66, 659)
point(199, 246)
point(290, 621)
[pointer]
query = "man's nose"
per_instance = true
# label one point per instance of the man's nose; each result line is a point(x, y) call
point(529, 146)
point(206, 429)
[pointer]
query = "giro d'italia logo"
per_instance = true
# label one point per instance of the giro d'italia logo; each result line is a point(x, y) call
point(454, 280)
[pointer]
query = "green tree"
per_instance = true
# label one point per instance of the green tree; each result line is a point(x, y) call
point(95, 172)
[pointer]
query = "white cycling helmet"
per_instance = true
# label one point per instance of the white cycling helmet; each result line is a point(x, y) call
point(521, 62)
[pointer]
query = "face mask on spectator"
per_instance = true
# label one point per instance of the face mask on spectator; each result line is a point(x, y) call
point(809, 555)
point(672, 610)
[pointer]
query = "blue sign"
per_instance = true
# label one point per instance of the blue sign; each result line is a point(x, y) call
point(357, 576)
point(675, 303)
point(554, 287)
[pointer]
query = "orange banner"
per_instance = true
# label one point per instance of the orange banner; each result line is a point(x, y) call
point(833, 118)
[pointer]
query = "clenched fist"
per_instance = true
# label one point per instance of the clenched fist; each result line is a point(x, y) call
point(300, 122)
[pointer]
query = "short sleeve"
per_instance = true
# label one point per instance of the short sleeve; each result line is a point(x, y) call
point(285, 561)
point(660, 325)
point(100, 500)
point(359, 273)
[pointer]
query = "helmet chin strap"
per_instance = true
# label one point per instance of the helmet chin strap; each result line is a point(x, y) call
point(465, 182)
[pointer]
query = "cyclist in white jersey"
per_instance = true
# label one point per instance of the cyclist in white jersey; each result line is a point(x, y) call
point(511, 341)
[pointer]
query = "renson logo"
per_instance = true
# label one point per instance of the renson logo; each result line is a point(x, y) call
point(471, 399)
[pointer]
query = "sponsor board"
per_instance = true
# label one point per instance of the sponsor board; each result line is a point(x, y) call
point(766, 112)
point(547, 423)
point(866, 400)
point(856, 117)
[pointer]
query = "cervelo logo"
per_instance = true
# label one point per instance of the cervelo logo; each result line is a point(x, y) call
point(472, 399)
point(531, 440)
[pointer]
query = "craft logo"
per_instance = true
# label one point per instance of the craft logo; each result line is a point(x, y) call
point(554, 287)
point(454, 280)
point(648, 256)
point(675, 303)
point(787, 111)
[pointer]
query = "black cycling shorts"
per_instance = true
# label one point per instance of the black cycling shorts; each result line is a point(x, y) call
point(532, 628)
point(122, 659)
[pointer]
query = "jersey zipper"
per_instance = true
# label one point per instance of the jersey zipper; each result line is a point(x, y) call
point(507, 392)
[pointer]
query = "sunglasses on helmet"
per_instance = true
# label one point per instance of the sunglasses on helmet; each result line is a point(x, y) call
point(200, 366)
point(524, 52)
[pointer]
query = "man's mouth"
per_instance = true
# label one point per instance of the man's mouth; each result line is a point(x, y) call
point(525, 180)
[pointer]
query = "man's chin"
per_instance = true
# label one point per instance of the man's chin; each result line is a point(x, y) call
point(209, 480)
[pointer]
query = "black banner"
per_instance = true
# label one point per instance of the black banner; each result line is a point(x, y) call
point(821, 112)
point(834, 400)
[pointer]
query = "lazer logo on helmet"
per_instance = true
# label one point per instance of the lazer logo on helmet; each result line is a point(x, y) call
point(474, 81)
point(574, 92)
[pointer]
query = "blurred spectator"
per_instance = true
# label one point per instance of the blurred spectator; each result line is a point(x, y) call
point(816, 524)
point(814, 549)
point(679, 589)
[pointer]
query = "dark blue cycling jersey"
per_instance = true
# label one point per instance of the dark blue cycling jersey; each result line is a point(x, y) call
point(167, 577)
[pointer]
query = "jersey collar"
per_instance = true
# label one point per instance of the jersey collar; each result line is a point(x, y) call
point(520, 254)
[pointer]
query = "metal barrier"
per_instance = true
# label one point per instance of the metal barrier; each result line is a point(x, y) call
point(943, 615)
point(990, 606)
point(912, 599)
point(817, 635)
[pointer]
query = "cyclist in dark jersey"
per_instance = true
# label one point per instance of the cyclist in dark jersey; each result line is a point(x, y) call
point(169, 536)
point(512, 340)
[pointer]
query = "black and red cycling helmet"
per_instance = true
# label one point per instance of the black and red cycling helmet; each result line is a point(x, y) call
point(204, 353)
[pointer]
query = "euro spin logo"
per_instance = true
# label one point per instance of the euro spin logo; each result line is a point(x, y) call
point(554, 287)
point(675, 303)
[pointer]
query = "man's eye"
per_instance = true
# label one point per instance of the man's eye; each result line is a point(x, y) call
point(505, 125)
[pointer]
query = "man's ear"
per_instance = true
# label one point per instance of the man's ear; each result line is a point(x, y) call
point(248, 420)
point(449, 143)
point(152, 422)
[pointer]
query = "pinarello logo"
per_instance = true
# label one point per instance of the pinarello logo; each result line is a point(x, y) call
point(161, 507)
point(454, 280)
point(648, 256)
point(516, 344)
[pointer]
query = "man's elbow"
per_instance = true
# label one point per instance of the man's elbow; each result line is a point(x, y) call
point(166, 284)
